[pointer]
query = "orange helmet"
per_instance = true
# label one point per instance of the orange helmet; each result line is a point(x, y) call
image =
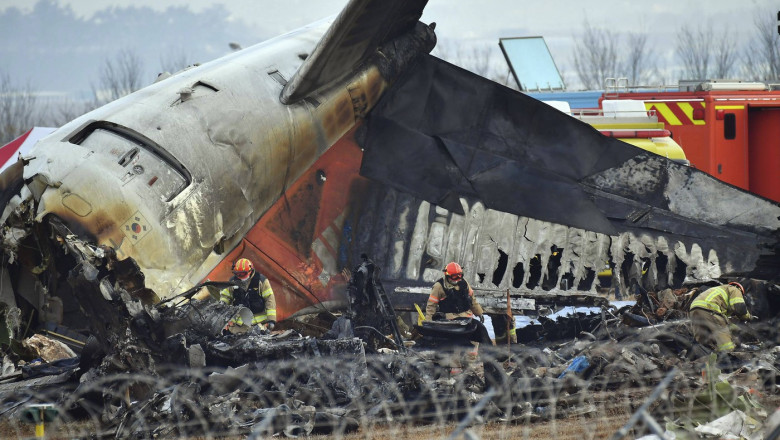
point(243, 268)
point(453, 271)
point(739, 286)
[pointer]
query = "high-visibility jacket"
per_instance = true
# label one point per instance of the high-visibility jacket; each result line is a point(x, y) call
point(256, 294)
point(725, 300)
point(440, 292)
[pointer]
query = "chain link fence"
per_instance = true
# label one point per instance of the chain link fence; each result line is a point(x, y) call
point(613, 383)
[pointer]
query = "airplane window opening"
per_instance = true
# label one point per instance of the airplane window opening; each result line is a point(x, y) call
point(625, 266)
point(133, 154)
point(567, 281)
point(553, 266)
point(498, 274)
point(680, 271)
point(646, 282)
point(587, 281)
point(662, 269)
point(535, 271)
point(517, 275)
point(730, 126)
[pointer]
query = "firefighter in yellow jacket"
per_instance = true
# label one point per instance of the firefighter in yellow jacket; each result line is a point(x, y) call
point(710, 312)
point(254, 292)
point(453, 296)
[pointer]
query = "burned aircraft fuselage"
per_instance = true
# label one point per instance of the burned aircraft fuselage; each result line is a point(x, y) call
point(174, 176)
point(177, 173)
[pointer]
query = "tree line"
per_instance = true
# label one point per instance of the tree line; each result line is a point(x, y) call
point(21, 108)
point(701, 52)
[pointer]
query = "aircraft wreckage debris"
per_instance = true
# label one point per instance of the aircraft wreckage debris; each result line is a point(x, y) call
point(112, 227)
point(184, 377)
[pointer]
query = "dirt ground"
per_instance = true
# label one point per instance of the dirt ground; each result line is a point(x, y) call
point(609, 412)
point(582, 427)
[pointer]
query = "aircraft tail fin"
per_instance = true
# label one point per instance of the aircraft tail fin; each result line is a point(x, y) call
point(360, 28)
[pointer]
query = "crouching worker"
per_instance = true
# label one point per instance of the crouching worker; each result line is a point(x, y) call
point(453, 297)
point(710, 312)
point(252, 291)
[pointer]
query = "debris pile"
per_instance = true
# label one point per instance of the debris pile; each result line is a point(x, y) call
point(289, 384)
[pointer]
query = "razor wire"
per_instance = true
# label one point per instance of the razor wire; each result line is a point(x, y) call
point(524, 392)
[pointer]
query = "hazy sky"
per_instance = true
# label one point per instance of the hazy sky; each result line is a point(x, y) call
point(460, 23)
point(471, 18)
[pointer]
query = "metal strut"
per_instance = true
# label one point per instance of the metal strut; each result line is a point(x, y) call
point(370, 273)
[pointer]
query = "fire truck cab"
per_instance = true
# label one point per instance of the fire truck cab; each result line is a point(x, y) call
point(729, 129)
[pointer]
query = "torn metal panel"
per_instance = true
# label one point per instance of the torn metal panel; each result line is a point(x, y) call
point(206, 318)
point(11, 183)
point(472, 142)
point(490, 267)
point(6, 289)
point(36, 384)
point(266, 348)
point(498, 251)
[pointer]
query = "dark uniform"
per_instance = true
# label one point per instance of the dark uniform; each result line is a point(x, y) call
point(454, 300)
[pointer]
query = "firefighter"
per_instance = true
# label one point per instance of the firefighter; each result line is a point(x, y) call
point(452, 296)
point(710, 312)
point(253, 291)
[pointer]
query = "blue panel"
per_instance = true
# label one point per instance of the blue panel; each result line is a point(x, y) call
point(531, 63)
point(584, 99)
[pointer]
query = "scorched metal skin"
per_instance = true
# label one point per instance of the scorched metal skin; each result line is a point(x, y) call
point(169, 181)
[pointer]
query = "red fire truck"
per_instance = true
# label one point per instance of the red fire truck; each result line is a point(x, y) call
point(729, 129)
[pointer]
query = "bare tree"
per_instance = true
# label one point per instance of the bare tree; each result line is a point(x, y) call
point(174, 60)
point(119, 76)
point(725, 55)
point(637, 58)
point(762, 57)
point(596, 56)
point(694, 48)
point(17, 109)
point(59, 113)
point(481, 60)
